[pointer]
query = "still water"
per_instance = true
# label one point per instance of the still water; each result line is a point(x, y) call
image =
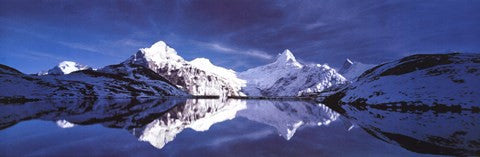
point(213, 127)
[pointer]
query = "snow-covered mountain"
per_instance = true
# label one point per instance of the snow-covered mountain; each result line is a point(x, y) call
point(439, 81)
point(198, 77)
point(63, 68)
point(119, 82)
point(351, 70)
point(287, 77)
point(284, 77)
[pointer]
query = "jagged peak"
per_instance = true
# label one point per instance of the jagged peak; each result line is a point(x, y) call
point(348, 61)
point(346, 65)
point(287, 57)
point(158, 53)
point(159, 48)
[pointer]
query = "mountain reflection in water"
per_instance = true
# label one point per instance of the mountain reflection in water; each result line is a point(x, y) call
point(432, 132)
point(160, 121)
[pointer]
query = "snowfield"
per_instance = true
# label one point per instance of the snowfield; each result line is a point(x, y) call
point(135, 81)
point(441, 80)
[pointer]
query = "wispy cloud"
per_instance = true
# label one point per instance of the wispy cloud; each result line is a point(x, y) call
point(105, 47)
point(224, 49)
point(219, 47)
point(314, 25)
point(36, 55)
point(80, 46)
point(42, 55)
point(127, 42)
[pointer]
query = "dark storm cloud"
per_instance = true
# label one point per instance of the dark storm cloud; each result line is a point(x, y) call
point(370, 31)
point(241, 34)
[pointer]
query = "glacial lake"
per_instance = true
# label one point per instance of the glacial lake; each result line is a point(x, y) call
point(232, 127)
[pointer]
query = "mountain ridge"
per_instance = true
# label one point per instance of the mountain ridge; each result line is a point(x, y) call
point(63, 68)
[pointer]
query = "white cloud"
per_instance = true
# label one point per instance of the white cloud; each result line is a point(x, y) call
point(314, 25)
point(80, 46)
point(224, 49)
point(128, 42)
point(219, 47)
point(259, 54)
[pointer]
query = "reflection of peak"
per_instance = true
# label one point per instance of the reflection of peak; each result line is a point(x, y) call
point(197, 114)
point(288, 116)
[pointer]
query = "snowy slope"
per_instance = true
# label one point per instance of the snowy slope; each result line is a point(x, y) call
point(65, 67)
point(287, 77)
point(134, 81)
point(198, 77)
point(351, 70)
point(227, 74)
point(441, 81)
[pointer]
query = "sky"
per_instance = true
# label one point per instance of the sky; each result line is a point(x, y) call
point(36, 35)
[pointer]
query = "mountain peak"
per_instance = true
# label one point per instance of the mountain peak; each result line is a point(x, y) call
point(159, 44)
point(67, 63)
point(348, 61)
point(287, 57)
point(68, 67)
point(64, 67)
point(346, 65)
point(159, 53)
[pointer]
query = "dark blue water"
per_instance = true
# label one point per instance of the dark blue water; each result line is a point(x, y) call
point(207, 127)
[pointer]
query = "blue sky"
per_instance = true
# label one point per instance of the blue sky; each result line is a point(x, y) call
point(239, 34)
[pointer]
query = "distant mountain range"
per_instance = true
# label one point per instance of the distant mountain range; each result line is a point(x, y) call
point(63, 68)
point(160, 71)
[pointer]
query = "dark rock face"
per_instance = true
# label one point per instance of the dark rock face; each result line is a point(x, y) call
point(420, 62)
point(8, 70)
